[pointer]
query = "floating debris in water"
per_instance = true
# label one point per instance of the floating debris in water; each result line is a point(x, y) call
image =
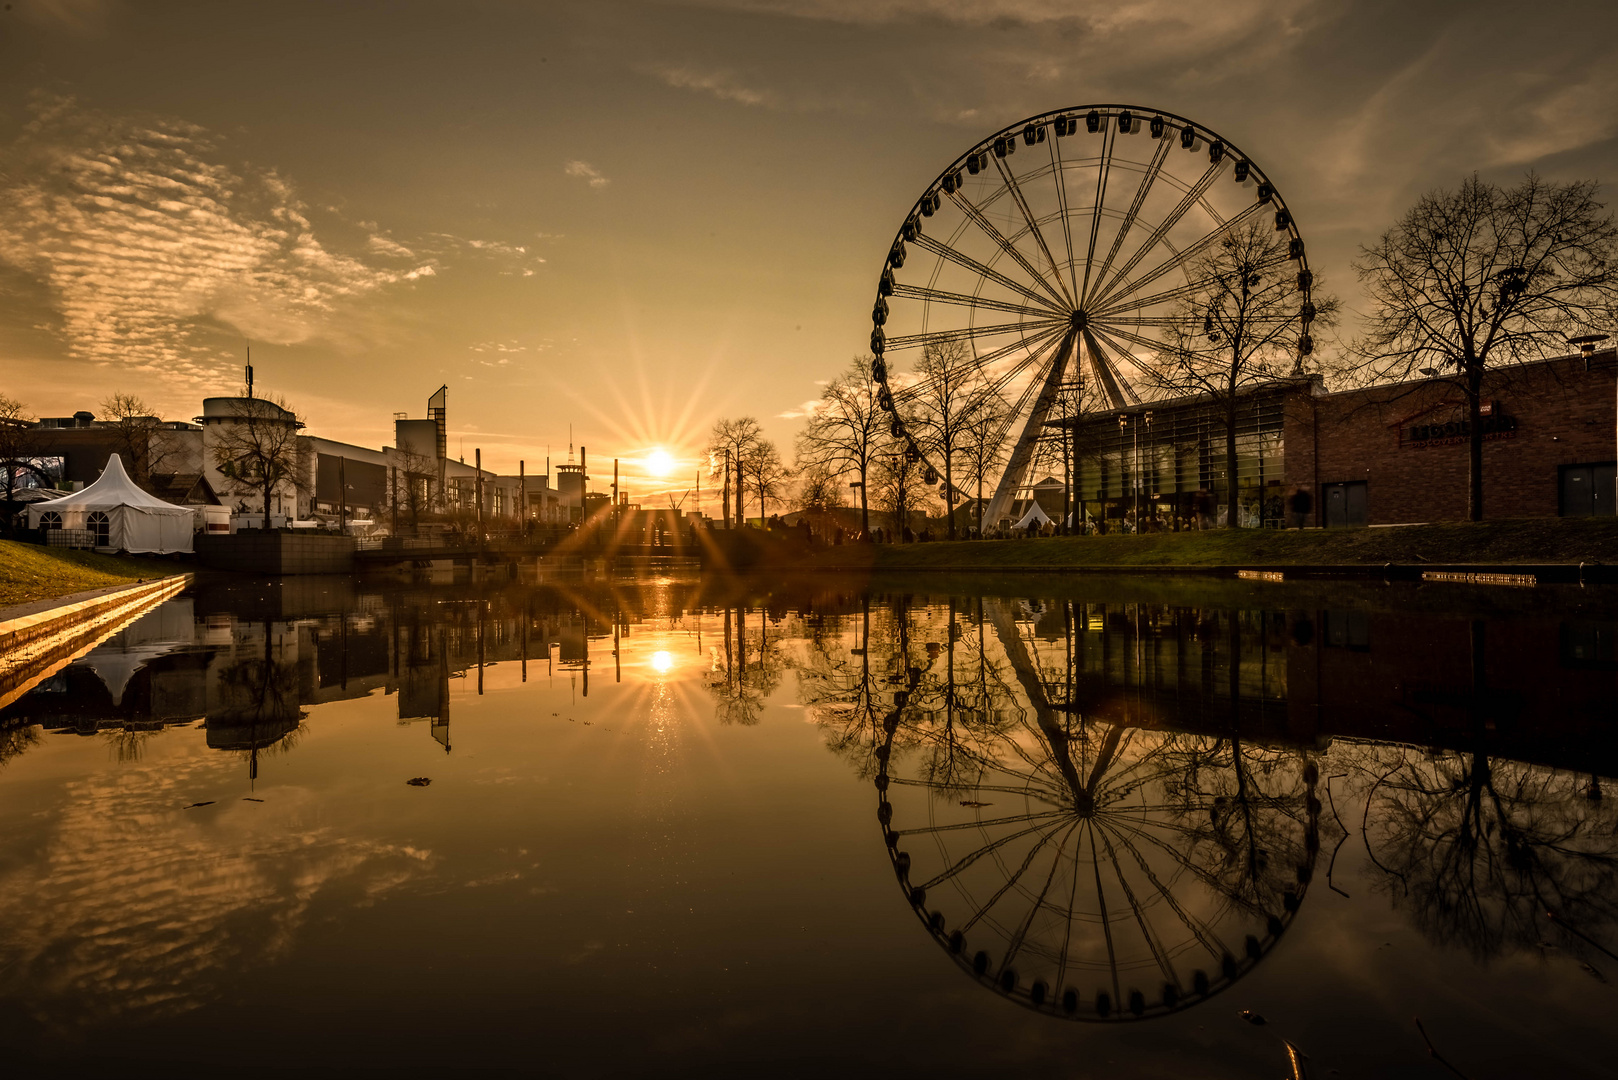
point(249, 798)
point(418, 781)
point(194, 805)
point(974, 804)
point(1256, 1019)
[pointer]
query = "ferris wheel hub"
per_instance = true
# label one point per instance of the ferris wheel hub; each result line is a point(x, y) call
point(1079, 320)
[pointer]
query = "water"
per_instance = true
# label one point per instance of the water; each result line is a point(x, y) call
point(940, 827)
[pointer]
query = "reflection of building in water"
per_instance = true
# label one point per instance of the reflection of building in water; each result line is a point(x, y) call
point(249, 676)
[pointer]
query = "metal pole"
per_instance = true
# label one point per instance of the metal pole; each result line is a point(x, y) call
point(522, 492)
point(477, 461)
point(342, 498)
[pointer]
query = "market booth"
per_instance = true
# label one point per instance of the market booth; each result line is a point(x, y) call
point(117, 514)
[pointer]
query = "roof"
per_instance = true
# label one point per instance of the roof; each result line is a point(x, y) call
point(114, 488)
point(185, 489)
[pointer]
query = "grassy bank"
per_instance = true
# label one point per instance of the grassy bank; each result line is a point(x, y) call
point(29, 572)
point(1536, 541)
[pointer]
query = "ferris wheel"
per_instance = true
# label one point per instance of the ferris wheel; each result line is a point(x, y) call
point(1068, 248)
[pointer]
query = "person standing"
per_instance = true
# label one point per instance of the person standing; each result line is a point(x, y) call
point(1299, 505)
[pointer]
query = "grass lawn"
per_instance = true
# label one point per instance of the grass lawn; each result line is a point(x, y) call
point(29, 572)
point(1536, 540)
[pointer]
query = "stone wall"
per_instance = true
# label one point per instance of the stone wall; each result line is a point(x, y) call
point(255, 551)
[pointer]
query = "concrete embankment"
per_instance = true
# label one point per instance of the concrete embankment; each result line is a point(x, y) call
point(38, 639)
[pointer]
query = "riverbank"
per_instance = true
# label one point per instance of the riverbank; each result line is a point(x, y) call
point(29, 572)
point(1529, 542)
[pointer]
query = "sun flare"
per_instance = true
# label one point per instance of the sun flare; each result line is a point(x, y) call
point(662, 660)
point(659, 462)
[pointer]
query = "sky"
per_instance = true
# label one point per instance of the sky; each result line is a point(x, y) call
point(613, 222)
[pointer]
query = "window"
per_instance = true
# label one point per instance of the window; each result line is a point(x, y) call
point(100, 527)
point(1348, 630)
point(50, 519)
point(1344, 504)
point(1586, 490)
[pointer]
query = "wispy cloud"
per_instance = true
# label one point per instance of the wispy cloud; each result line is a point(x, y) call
point(721, 84)
point(586, 172)
point(145, 238)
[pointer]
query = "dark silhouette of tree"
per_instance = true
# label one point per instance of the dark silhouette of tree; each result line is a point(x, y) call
point(257, 449)
point(900, 487)
point(729, 444)
point(1242, 321)
point(1484, 276)
point(951, 408)
point(845, 430)
point(146, 446)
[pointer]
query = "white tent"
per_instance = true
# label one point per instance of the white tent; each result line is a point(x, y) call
point(134, 521)
point(1035, 516)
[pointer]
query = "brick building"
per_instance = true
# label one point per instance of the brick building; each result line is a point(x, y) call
point(1377, 456)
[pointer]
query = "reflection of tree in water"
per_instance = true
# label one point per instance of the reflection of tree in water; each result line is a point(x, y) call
point(1083, 865)
point(258, 707)
point(14, 741)
point(1479, 849)
point(746, 669)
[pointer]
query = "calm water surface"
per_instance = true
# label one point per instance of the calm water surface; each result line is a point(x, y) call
point(733, 827)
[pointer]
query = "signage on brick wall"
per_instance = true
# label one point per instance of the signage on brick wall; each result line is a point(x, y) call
point(1497, 424)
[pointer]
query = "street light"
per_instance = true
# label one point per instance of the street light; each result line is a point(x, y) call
point(1587, 347)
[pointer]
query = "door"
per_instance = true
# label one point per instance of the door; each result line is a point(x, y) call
point(1586, 490)
point(1345, 504)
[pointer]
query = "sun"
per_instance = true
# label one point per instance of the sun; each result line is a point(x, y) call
point(662, 660)
point(659, 462)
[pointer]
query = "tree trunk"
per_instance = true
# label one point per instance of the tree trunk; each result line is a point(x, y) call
point(865, 508)
point(269, 488)
point(1474, 442)
point(1230, 466)
point(725, 497)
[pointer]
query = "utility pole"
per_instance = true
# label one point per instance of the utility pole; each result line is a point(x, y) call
point(393, 497)
point(616, 513)
point(342, 498)
point(522, 494)
point(477, 464)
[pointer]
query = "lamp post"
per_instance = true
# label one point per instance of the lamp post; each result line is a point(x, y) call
point(1139, 486)
point(1123, 424)
point(1587, 347)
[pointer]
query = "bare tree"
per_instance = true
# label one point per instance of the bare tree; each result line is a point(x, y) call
point(1484, 276)
point(819, 495)
point(982, 448)
point(845, 430)
point(1242, 322)
point(900, 489)
point(144, 444)
point(16, 440)
point(729, 443)
point(762, 465)
point(257, 450)
point(946, 407)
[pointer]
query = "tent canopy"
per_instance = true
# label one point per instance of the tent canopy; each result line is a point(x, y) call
point(136, 521)
point(1035, 515)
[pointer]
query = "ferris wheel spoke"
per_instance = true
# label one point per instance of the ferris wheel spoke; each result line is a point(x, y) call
point(1095, 214)
point(1015, 945)
point(1186, 254)
point(965, 261)
point(1059, 174)
point(1158, 953)
point(920, 387)
point(999, 239)
point(1133, 214)
point(959, 826)
point(1117, 387)
point(966, 861)
point(1033, 226)
point(1169, 295)
point(1106, 921)
point(1156, 236)
point(968, 333)
point(918, 292)
point(1205, 934)
point(1072, 902)
point(995, 788)
point(1016, 876)
point(1208, 879)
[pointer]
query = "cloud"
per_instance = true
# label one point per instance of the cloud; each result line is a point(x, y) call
point(144, 238)
point(721, 84)
point(586, 172)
